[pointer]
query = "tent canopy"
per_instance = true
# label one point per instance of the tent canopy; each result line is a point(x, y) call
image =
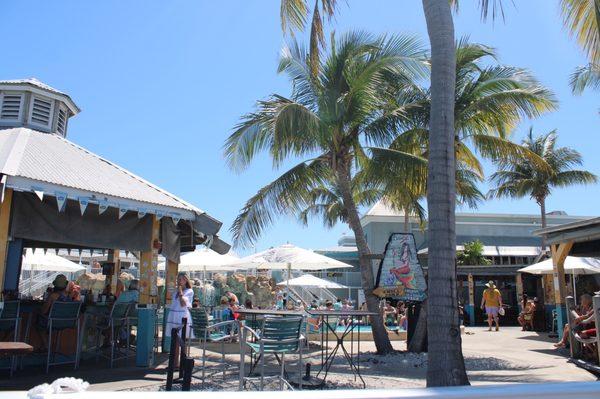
point(573, 265)
point(308, 280)
point(288, 256)
point(48, 262)
point(204, 259)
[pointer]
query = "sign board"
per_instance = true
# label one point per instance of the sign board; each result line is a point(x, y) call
point(400, 275)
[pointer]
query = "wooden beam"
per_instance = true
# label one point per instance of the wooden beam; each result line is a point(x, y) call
point(519, 283)
point(559, 255)
point(114, 257)
point(171, 271)
point(4, 232)
point(148, 267)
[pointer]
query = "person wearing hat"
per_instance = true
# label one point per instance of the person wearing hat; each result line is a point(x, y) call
point(491, 301)
point(58, 294)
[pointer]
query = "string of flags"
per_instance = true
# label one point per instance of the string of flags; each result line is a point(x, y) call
point(103, 205)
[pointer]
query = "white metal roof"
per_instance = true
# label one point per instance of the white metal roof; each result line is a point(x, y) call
point(36, 161)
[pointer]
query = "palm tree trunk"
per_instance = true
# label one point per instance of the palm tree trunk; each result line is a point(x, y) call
point(542, 203)
point(382, 341)
point(406, 221)
point(446, 362)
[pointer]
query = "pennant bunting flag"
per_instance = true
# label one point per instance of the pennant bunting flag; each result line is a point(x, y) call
point(141, 213)
point(122, 211)
point(45, 251)
point(61, 200)
point(91, 253)
point(69, 251)
point(102, 207)
point(176, 217)
point(39, 192)
point(3, 182)
point(83, 203)
point(79, 252)
point(56, 251)
point(159, 214)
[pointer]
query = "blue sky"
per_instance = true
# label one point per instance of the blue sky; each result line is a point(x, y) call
point(162, 83)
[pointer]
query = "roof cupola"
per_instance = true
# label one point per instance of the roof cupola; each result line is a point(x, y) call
point(35, 105)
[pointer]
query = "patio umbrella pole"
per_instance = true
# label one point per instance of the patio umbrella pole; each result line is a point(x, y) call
point(289, 270)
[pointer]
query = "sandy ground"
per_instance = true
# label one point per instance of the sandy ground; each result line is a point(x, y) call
point(507, 356)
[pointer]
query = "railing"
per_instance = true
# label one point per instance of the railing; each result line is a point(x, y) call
point(36, 283)
point(575, 344)
point(575, 390)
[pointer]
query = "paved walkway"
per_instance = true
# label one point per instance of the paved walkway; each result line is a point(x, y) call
point(508, 356)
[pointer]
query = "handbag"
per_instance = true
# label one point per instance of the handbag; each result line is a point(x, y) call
point(501, 311)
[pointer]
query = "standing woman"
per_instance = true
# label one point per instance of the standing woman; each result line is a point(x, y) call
point(491, 302)
point(180, 309)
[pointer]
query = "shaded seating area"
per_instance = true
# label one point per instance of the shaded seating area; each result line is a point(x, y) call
point(579, 239)
point(56, 195)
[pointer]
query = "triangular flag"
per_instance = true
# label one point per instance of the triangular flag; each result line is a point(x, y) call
point(61, 200)
point(175, 219)
point(102, 207)
point(83, 203)
point(103, 252)
point(91, 253)
point(127, 254)
point(45, 250)
point(39, 192)
point(122, 211)
point(141, 213)
point(79, 252)
point(69, 251)
point(56, 251)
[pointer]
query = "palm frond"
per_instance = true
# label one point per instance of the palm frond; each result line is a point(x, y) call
point(585, 77)
point(287, 195)
point(582, 19)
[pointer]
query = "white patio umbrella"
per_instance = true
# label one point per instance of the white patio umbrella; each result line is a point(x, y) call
point(308, 280)
point(574, 265)
point(288, 257)
point(40, 261)
point(204, 259)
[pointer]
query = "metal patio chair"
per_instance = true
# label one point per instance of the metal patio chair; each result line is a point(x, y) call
point(116, 322)
point(205, 332)
point(10, 320)
point(63, 316)
point(278, 336)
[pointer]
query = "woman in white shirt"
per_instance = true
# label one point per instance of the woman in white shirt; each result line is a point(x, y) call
point(179, 309)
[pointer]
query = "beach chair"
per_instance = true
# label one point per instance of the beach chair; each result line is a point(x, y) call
point(10, 320)
point(205, 332)
point(63, 316)
point(278, 336)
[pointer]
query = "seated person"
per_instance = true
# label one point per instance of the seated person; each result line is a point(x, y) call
point(59, 294)
point(196, 302)
point(525, 318)
point(131, 295)
point(74, 291)
point(248, 304)
point(580, 314)
point(329, 305)
point(338, 304)
point(389, 314)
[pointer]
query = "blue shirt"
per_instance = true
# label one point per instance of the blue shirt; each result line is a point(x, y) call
point(129, 296)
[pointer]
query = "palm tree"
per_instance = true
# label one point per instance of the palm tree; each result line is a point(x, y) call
point(446, 363)
point(585, 77)
point(330, 121)
point(521, 178)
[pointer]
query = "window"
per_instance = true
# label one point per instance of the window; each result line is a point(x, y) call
point(41, 111)
point(61, 123)
point(11, 106)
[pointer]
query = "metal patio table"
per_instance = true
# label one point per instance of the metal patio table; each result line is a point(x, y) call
point(327, 357)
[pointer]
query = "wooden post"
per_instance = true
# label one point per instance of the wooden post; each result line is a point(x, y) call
point(519, 283)
point(4, 233)
point(171, 271)
point(559, 255)
point(113, 257)
point(597, 313)
point(148, 268)
point(575, 346)
point(471, 300)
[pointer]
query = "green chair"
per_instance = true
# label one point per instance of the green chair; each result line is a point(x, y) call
point(278, 336)
point(10, 320)
point(205, 332)
point(63, 316)
point(115, 323)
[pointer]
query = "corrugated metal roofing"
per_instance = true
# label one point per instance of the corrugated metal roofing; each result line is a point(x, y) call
point(53, 159)
point(32, 82)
